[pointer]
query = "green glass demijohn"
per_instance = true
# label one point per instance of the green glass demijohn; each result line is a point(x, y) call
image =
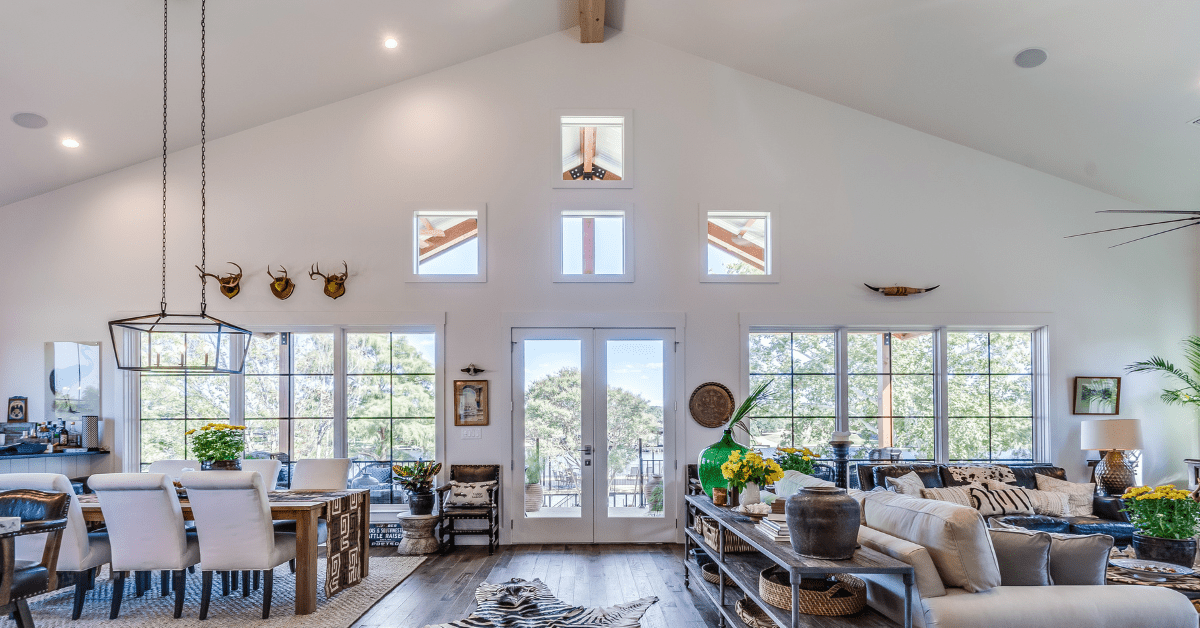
point(708, 468)
point(711, 459)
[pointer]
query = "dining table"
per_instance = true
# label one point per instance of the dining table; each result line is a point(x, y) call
point(347, 515)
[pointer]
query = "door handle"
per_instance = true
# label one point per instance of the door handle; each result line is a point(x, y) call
point(587, 450)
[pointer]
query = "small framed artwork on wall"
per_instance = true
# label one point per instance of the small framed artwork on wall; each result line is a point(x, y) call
point(18, 409)
point(1097, 395)
point(470, 402)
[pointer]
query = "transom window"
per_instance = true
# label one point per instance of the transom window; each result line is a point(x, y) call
point(448, 244)
point(892, 386)
point(737, 246)
point(595, 244)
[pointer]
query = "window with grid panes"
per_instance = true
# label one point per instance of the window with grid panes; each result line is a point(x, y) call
point(390, 393)
point(173, 404)
point(991, 396)
point(801, 402)
point(890, 388)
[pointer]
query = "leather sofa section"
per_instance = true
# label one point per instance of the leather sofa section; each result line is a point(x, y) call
point(1040, 523)
point(929, 474)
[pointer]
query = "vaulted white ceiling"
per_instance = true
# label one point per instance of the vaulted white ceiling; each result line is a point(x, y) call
point(1110, 109)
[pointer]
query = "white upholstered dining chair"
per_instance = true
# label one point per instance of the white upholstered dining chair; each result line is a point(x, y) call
point(81, 554)
point(145, 528)
point(317, 474)
point(173, 468)
point(233, 519)
point(268, 467)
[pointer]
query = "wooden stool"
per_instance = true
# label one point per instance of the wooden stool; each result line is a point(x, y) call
point(418, 535)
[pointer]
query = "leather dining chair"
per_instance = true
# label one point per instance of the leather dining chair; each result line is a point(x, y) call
point(233, 519)
point(145, 528)
point(268, 468)
point(81, 554)
point(317, 474)
point(44, 516)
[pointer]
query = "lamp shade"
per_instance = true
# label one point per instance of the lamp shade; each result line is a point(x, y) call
point(1102, 435)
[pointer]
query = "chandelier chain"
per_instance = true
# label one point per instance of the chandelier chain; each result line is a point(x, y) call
point(203, 202)
point(162, 304)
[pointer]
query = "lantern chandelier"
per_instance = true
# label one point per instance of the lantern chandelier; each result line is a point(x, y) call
point(180, 343)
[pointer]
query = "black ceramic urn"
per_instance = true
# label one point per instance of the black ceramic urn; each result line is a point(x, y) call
point(823, 522)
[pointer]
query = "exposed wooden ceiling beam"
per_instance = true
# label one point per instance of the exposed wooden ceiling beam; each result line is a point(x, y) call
point(591, 21)
point(460, 232)
point(748, 253)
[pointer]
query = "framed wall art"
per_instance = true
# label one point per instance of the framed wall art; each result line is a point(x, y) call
point(470, 402)
point(593, 148)
point(1097, 395)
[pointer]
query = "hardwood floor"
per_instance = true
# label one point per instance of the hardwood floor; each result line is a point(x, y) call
point(443, 589)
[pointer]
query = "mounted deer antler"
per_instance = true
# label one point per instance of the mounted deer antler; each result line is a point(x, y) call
point(230, 284)
point(335, 284)
point(900, 291)
point(281, 287)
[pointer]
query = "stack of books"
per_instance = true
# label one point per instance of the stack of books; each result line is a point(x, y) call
point(775, 527)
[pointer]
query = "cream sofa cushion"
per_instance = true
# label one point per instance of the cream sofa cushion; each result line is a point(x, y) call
point(954, 535)
point(1115, 606)
point(929, 583)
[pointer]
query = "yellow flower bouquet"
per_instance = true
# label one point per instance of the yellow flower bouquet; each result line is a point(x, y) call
point(793, 459)
point(218, 441)
point(1163, 511)
point(742, 469)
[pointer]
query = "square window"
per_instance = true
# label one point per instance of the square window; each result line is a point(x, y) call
point(593, 149)
point(448, 244)
point(595, 245)
point(737, 246)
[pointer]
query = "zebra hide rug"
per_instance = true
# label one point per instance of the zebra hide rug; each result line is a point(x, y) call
point(524, 604)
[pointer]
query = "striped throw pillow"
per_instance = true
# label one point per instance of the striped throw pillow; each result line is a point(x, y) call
point(1013, 501)
point(953, 494)
point(1044, 502)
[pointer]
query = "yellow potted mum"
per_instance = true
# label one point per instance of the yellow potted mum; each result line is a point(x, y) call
point(1165, 519)
point(218, 446)
point(746, 473)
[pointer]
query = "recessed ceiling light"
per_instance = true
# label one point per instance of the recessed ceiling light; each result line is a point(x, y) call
point(29, 120)
point(70, 143)
point(1030, 58)
point(390, 43)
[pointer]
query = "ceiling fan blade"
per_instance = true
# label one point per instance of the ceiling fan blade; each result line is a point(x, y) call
point(1147, 224)
point(1159, 233)
point(1149, 211)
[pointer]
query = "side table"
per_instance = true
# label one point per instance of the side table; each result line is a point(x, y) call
point(418, 534)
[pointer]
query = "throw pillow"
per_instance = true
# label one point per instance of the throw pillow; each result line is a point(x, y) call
point(908, 484)
point(961, 476)
point(1024, 557)
point(1079, 558)
point(1079, 495)
point(953, 494)
point(1046, 503)
point(1013, 501)
point(469, 493)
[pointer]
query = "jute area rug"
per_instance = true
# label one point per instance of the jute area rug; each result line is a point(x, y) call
point(234, 611)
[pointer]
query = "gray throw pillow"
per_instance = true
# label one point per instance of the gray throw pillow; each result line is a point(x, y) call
point(1079, 558)
point(1024, 557)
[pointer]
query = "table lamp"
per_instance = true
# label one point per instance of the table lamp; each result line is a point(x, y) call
point(1113, 437)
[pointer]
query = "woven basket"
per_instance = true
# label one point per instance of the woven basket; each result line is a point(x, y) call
point(775, 587)
point(754, 616)
point(710, 573)
point(698, 524)
point(733, 543)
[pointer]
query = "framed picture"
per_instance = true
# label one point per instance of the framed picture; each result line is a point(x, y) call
point(1097, 395)
point(470, 402)
point(18, 409)
point(592, 148)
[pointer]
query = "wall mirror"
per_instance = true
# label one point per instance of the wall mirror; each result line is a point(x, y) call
point(72, 380)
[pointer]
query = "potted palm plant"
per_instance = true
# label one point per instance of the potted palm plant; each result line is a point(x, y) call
point(219, 446)
point(1188, 392)
point(417, 479)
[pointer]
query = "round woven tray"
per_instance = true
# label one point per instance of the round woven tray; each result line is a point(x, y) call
point(711, 573)
point(754, 616)
point(776, 589)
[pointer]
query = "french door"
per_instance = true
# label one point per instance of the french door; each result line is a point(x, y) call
point(594, 432)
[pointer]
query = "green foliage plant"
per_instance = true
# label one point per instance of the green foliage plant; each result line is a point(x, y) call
point(792, 459)
point(218, 441)
point(656, 499)
point(749, 404)
point(417, 478)
point(533, 468)
point(1163, 511)
point(1188, 393)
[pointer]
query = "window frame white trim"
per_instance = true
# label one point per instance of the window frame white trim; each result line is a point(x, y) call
point(626, 181)
point(770, 274)
point(409, 245)
point(561, 210)
point(1039, 324)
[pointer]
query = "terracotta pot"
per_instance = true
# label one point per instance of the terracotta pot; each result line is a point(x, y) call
point(420, 503)
point(1174, 551)
point(220, 465)
point(823, 522)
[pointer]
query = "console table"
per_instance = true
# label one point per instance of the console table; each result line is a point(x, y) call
point(743, 569)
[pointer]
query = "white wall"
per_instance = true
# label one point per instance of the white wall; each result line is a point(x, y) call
point(861, 199)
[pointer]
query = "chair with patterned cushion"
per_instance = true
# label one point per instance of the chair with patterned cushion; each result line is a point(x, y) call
point(488, 511)
point(42, 514)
